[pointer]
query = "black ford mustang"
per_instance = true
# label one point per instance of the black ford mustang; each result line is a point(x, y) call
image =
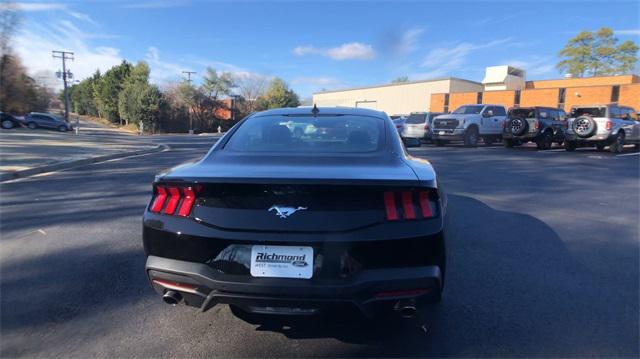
point(296, 211)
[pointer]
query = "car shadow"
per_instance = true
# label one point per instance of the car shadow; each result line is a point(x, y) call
point(509, 275)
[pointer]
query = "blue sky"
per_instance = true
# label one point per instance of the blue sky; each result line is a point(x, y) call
point(313, 46)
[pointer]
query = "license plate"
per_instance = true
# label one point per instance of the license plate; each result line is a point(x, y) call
point(282, 261)
point(441, 133)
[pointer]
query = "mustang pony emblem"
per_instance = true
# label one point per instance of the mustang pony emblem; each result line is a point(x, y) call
point(284, 212)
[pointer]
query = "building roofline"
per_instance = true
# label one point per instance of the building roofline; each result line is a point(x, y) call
point(585, 78)
point(399, 84)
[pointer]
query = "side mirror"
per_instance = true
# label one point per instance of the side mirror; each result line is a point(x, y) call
point(411, 142)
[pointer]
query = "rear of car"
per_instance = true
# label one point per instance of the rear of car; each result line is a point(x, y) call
point(542, 125)
point(272, 223)
point(418, 125)
point(602, 125)
point(9, 121)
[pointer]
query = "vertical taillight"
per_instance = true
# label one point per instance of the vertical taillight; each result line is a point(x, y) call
point(411, 202)
point(608, 126)
point(537, 125)
point(158, 202)
point(187, 202)
point(173, 200)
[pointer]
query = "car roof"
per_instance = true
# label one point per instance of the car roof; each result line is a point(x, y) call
point(289, 111)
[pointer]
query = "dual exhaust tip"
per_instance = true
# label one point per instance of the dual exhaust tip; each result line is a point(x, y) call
point(406, 308)
point(172, 297)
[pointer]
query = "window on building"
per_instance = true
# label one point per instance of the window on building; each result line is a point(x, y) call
point(615, 93)
point(561, 96)
point(446, 103)
point(516, 99)
point(479, 100)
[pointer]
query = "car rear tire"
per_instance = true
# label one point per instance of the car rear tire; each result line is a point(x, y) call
point(489, 140)
point(584, 126)
point(508, 143)
point(518, 126)
point(471, 137)
point(618, 143)
point(6, 124)
point(32, 125)
point(600, 146)
point(62, 128)
point(545, 141)
point(570, 145)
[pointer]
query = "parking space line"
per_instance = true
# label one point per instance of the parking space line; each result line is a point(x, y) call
point(629, 154)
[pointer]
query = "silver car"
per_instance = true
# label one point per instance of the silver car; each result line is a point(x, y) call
point(601, 126)
point(418, 125)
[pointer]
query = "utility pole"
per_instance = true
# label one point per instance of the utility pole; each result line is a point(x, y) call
point(64, 55)
point(189, 73)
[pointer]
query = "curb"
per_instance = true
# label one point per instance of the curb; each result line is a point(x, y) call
point(70, 164)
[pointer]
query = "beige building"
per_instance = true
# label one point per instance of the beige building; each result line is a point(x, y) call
point(396, 98)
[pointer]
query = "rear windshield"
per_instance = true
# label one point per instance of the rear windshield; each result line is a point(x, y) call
point(322, 134)
point(523, 112)
point(468, 110)
point(592, 111)
point(416, 118)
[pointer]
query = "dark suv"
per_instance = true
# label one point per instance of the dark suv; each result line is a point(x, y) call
point(46, 120)
point(542, 125)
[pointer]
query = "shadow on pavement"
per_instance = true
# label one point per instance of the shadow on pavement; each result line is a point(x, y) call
point(509, 275)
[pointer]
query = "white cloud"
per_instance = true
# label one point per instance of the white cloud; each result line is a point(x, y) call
point(163, 71)
point(408, 40)
point(348, 51)
point(627, 32)
point(535, 65)
point(316, 81)
point(442, 61)
point(82, 17)
point(157, 4)
point(32, 6)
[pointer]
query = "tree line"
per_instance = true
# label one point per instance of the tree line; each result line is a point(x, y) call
point(124, 95)
point(19, 92)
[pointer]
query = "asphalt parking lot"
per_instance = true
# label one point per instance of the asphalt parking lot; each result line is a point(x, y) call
point(543, 261)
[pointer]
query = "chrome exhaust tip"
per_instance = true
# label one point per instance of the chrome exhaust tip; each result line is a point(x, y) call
point(406, 308)
point(172, 297)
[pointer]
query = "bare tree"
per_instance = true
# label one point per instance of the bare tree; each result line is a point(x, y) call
point(9, 21)
point(250, 87)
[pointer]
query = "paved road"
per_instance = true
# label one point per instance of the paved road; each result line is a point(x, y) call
point(543, 262)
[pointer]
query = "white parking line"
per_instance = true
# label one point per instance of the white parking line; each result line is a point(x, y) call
point(629, 154)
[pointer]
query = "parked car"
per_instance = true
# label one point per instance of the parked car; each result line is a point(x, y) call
point(469, 123)
point(601, 126)
point(418, 125)
point(8, 121)
point(272, 223)
point(399, 121)
point(542, 125)
point(47, 120)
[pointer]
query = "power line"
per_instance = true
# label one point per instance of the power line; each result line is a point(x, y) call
point(64, 55)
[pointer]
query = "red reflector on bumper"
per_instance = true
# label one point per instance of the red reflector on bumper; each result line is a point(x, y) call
point(401, 293)
point(182, 287)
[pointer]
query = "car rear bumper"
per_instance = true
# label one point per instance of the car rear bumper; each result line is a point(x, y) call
point(370, 291)
point(448, 134)
point(597, 138)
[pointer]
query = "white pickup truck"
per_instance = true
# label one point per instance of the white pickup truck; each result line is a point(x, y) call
point(469, 123)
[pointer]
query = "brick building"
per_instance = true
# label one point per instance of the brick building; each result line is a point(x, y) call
point(561, 93)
